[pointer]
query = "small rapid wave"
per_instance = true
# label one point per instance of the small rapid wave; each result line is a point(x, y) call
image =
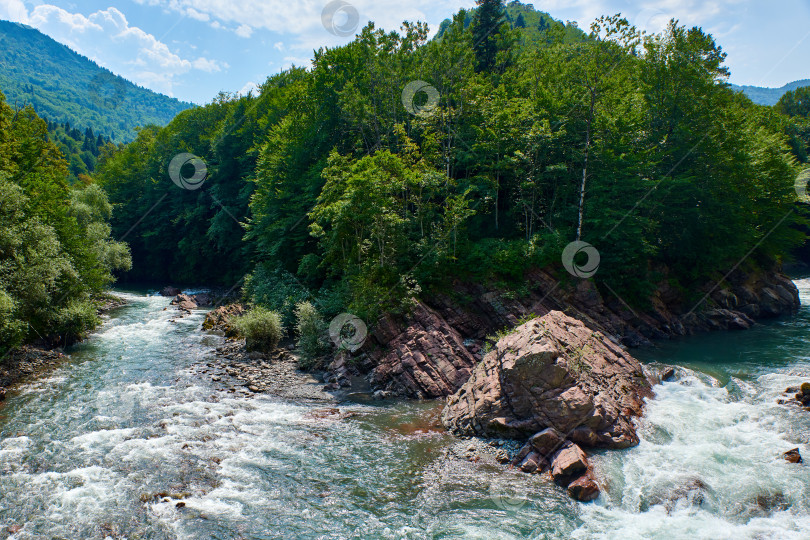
point(709, 462)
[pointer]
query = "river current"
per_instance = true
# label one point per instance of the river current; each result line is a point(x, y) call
point(125, 441)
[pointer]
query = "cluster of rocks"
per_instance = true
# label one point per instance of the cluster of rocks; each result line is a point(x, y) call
point(799, 395)
point(170, 291)
point(25, 362)
point(218, 319)
point(187, 302)
point(560, 386)
point(339, 374)
point(106, 302)
point(431, 351)
point(427, 359)
point(235, 370)
point(567, 463)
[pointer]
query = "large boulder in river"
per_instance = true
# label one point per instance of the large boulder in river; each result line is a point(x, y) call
point(184, 302)
point(552, 372)
point(170, 291)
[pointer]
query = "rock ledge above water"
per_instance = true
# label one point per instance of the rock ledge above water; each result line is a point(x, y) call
point(563, 387)
point(554, 372)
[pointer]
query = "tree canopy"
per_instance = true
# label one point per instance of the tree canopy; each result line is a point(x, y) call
point(337, 186)
point(56, 248)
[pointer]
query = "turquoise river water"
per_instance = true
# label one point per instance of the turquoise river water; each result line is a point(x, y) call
point(84, 451)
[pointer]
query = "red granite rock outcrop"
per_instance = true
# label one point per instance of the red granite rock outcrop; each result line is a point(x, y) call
point(426, 359)
point(429, 352)
point(552, 372)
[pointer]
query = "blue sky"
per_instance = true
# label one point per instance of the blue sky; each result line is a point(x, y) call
point(192, 49)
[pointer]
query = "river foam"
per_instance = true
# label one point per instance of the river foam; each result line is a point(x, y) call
point(125, 441)
point(709, 461)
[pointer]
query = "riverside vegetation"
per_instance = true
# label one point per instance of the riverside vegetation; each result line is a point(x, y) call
point(56, 250)
point(324, 187)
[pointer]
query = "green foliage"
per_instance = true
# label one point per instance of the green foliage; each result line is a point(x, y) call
point(312, 334)
point(75, 90)
point(487, 27)
point(536, 28)
point(55, 244)
point(80, 148)
point(326, 188)
point(74, 320)
point(12, 330)
point(276, 289)
point(261, 328)
point(795, 103)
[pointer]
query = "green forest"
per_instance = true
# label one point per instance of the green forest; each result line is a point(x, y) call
point(399, 164)
point(56, 250)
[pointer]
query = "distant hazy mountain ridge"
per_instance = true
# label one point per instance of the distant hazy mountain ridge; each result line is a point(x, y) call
point(65, 86)
point(769, 96)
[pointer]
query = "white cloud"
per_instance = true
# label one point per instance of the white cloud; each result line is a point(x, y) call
point(196, 15)
point(73, 22)
point(299, 61)
point(303, 19)
point(244, 31)
point(279, 45)
point(654, 16)
point(13, 10)
point(209, 66)
point(250, 87)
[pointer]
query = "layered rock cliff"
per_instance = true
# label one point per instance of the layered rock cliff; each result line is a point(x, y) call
point(432, 352)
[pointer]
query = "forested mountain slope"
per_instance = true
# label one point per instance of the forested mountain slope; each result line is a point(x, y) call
point(769, 96)
point(64, 86)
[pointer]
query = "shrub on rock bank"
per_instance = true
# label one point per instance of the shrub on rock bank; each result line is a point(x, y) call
point(312, 331)
point(261, 329)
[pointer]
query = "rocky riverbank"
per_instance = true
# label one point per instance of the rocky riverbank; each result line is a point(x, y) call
point(26, 362)
point(235, 370)
point(557, 385)
point(431, 352)
point(33, 360)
